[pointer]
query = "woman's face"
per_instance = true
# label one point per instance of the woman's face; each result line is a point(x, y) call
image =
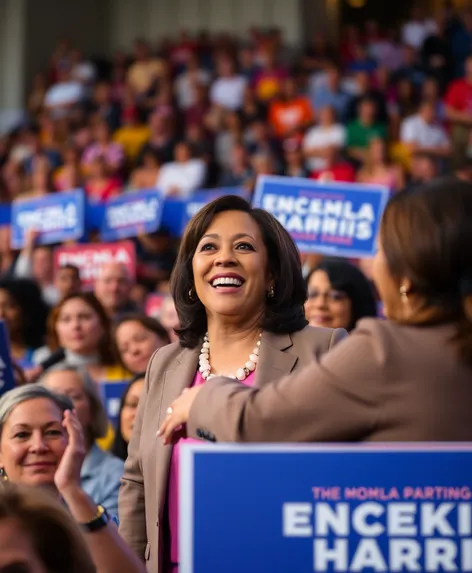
point(33, 442)
point(69, 383)
point(17, 551)
point(136, 344)
point(169, 318)
point(10, 312)
point(128, 413)
point(230, 267)
point(377, 150)
point(326, 306)
point(78, 327)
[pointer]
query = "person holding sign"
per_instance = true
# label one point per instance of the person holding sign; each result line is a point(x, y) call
point(239, 293)
point(407, 378)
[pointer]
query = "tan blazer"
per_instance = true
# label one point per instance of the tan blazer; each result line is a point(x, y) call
point(173, 368)
point(386, 382)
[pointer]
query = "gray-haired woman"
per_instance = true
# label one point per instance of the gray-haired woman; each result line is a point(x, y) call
point(42, 444)
point(101, 472)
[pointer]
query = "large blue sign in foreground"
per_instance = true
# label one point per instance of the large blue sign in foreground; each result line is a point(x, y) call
point(332, 218)
point(315, 509)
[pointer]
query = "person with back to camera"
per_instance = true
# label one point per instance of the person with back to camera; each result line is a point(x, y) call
point(239, 292)
point(407, 378)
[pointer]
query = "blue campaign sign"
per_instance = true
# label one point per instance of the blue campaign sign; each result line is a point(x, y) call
point(7, 380)
point(57, 217)
point(111, 393)
point(204, 196)
point(337, 219)
point(130, 214)
point(308, 509)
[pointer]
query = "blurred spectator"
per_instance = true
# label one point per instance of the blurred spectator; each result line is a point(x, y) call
point(36, 262)
point(162, 141)
point(101, 472)
point(169, 318)
point(364, 89)
point(137, 338)
point(185, 82)
point(268, 79)
point(99, 184)
point(112, 289)
point(325, 135)
point(335, 168)
point(330, 93)
point(293, 158)
point(338, 295)
point(424, 168)
point(417, 29)
point(318, 54)
point(376, 168)
point(290, 112)
point(238, 172)
point(132, 134)
point(145, 174)
point(65, 93)
point(103, 146)
point(144, 73)
point(183, 175)
point(24, 312)
point(127, 416)
point(461, 41)
point(361, 61)
point(423, 132)
point(436, 54)
point(227, 90)
point(459, 111)
point(67, 280)
point(103, 105)
point(363, 129)
point(69, 175)
point(411, 68)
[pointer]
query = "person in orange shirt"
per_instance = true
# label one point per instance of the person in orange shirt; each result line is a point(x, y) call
point(291, 112)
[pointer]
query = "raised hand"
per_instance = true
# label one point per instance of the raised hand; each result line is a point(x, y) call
point(68, 472)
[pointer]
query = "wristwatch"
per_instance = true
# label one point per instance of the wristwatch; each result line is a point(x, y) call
point(100, 520)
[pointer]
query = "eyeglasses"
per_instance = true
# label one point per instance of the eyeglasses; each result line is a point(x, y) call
point(330, 296)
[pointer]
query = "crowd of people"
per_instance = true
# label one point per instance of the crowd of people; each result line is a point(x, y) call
point(383, 106)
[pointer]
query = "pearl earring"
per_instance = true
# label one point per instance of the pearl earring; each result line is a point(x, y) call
point(404, 294)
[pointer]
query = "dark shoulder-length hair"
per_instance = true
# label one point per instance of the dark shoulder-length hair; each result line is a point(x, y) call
point(106, 349)
point(34, 311)
point(120, 445)
point(426, 237)
point(348, 279)
point(284, 313)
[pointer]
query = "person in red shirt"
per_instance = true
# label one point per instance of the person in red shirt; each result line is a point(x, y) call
point(336, 169)
point(458, 102)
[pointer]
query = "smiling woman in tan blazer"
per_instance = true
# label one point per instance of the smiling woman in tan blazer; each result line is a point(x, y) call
point(239, 293)
point(408, 378)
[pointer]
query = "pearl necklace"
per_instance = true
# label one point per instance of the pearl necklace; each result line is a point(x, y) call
point(241, 373)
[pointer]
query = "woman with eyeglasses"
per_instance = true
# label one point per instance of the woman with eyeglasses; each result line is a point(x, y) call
point(338, 295)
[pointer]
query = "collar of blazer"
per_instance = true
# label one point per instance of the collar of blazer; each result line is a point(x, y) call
point(277, 358)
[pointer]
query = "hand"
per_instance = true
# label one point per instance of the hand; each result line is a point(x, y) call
point(177, 415)
point(68, 472)
point(33, 373)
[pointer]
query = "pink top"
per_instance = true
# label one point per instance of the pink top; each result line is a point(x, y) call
point(173, 491)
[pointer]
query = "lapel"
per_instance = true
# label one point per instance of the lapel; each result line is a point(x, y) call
point(180, 375)
point(277, 358)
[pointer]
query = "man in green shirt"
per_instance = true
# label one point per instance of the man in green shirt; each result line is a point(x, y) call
point(363, 129)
